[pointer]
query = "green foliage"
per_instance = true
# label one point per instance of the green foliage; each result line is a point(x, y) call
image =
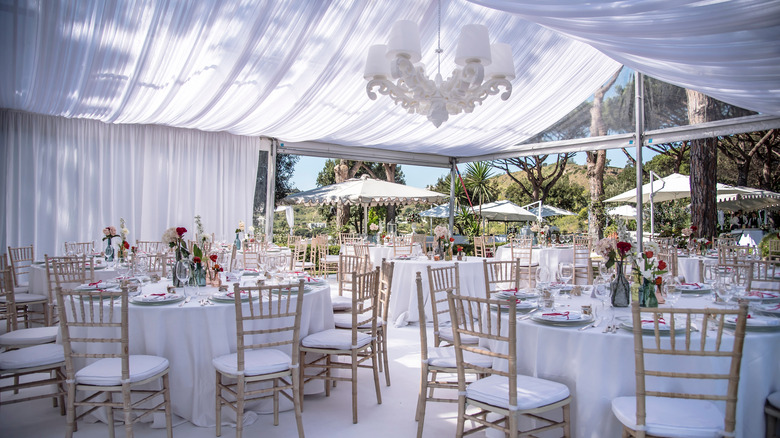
point(467, 223)
point(285, 167)
point(567, 195)
point(763, 246)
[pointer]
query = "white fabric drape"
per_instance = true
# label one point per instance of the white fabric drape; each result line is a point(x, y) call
point(65, 180)
point(725, 49)
point(292, 70)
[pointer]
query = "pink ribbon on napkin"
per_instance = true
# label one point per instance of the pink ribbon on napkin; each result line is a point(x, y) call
point(566, 314)
point(775, 307)
point(756, 293)
point(660, 321)
point(96, 283)
point(691, 284)
point(251, 270)
point(509, 290)
point(158, 295)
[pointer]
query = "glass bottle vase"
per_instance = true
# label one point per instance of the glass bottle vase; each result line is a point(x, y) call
point(621, 290)
point(199, 275)
point(237, 243)
point(109, 251)
point(647, 294)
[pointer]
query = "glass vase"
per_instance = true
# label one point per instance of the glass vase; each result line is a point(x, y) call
point(647, 294)
point(621, 290)
point(237, 243)
point(199, 275)
point(109, 252)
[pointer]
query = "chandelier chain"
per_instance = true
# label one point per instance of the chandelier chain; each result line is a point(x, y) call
point(438, 43)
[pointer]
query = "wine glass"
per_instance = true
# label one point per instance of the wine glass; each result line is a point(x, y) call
point(183, 274)
point(565, 274)
point(542, 277)
point(724, 289)
point(739, 280)
point(671, 291)
point(605, 272)
point(602, 291)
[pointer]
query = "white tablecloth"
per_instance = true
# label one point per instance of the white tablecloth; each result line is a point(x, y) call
point(403, 298)
point(378, 252)
point(38, 277)
point(598, 367)
point(192, 335)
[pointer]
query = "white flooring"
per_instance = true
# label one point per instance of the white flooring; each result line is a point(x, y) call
point(322, 416)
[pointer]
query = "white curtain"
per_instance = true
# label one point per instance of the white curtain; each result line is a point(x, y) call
point(67, 179)
point(725, 49)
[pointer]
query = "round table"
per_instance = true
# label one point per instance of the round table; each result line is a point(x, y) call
point(598, 367)
point(403, 297)
point(192, 335)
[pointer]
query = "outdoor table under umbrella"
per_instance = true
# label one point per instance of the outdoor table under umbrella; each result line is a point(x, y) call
point(367, 192)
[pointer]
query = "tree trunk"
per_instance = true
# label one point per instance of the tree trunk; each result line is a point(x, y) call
point(704, 160)
point(596, 162)
point(342, 211)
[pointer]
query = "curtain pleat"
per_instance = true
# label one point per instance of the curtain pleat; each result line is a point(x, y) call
point(67, 179)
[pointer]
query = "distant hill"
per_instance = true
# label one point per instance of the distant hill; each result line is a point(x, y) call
point(577, 175)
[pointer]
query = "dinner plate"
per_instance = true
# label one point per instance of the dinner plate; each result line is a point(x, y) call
point(648, 326)
point(95, 296)
point(522, 307)
point(522, 294)
point(559, 318)
point(100, 284)
point(156, 299)
point(228, 297)
point(768, 309)
point(761, 296)
point(285, 288)
point(755, 323)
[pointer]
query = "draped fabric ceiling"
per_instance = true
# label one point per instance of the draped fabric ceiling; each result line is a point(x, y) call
point(293, 69)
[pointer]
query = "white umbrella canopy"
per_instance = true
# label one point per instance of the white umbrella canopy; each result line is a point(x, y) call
point(624, 211)
point(749, 199)
point(439, 211)
point(365, 191)
point(549, 210)
point(504, 211)
point(674, 186)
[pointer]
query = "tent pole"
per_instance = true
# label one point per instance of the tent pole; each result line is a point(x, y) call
point(652, 204)
point(365, 219)
point(453, 175)
point(639, 118)
point(270, 192)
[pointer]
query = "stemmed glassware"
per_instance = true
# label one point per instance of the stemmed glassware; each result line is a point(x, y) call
point(183, 274)
point(565, 274)
point(724, 288)
point(672, 292)
point(740, 281)
point(602, 291)
point(542, 277)
point(605, 272)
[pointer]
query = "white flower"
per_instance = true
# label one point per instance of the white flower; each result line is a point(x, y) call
point(251, 229)
point(441, 232)
point(652, 246)
point(374, 227)
point(241, 225)
point(170, 236)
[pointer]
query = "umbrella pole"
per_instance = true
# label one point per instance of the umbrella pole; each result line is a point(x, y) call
point(365, 219)
point(639, 119)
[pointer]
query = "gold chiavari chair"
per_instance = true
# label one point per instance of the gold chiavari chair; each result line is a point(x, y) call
point(656, 410)
point(78, 248)
point(499, 392)
point(150, 246)
point(347, 265)
point(359, 346)
point(268, 318)
point(21, 259)
point(86, 331)
point(501, 275)
point(479, 246)
point(20, 305)
point(583, 265)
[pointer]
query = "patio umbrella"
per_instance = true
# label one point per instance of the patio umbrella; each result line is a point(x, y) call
point(749, 199)
point(364, 191)
point(549, 210)
point(624, 211)
point(504, 211)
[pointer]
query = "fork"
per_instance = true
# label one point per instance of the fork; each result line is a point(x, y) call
point(186, 300)
point(595, 324)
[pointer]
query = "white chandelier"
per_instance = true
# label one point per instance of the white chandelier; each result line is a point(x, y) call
point(485, 68)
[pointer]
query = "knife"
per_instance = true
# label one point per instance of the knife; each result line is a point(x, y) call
point(595, 324)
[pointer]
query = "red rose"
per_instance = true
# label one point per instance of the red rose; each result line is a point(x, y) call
point(662, 265)
point(694, 228)
point(196, 259)
point(126, 245)
point(213, 258)
point(649, 254)
point(134, 249)
point(658, 281)
point(452, 239)
point(180, 231)
point(623, 247)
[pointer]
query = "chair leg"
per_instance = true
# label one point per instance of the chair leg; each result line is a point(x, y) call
point(461, 416)
point(110, 414)
point(127, 411)
point(301, 377)
point(566, 422)
point(375, 367)
point(239, 406)
point(354, 387)
point(297, 396)
point(275, 393)
point(384, 357)
point(421, 400)
point(168, 407)
point(219, 405)
point(70, 410)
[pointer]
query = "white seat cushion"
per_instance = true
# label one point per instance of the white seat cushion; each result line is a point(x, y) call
point(341, 303)
point(332, 258)
point(108, 372)
point(532, 392)
point(23, 289)
point(344, 320)
point(525, 265)
point(445, 357)
point(446, 334)
point(774, 399)
point(672, 417)
point(256, 362)
point(26, 298)
point(335, 339)
point(34, 356)
point(30, 336)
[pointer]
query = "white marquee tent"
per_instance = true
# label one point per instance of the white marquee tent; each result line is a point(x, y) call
point(156, 110)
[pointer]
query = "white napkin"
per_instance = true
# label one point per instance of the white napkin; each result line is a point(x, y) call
point(152, 298)
point(562, 316)
point(100, 284)
point(756, 321)
point(761, 295)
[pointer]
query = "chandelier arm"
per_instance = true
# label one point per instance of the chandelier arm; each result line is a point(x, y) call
point(388, 88)
point(413, 78)
point(489, 88)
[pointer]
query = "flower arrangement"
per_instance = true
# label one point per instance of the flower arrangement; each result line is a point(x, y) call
point(442, 237)
point(109, 233)
point(373, 227)
point(123, 232)
point(649, 266)
point(241, 227)
point(688, 232)
point(704, 244)
point(174, 238)
point(611, 249)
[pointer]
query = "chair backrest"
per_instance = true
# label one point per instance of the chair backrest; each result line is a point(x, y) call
point(734, 253)
point(250, 258)
point(441, 281)
point(764, 275)
point(523, 241)
point(7, 295)
point(91, 317)
point(420, 240)
point(385, 286)
point(293, 240)
point(298, 260)
point(481, 318)
point(349, 264)
point(668, 254)
point(581, 261)
point(158, 263)
point(21, 259)
point(708, 353)
point(523, 254)
point(150, 246)
point(350, 238)
point(365, 302)
point(479, 246)
point(774, 249)
point(233, 260)
point(501, 275)
point(402, 249)
point(69, 271)
point(78, 248)
point(268, 317)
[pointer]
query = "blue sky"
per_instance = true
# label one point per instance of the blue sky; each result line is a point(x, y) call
point(305, 176)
